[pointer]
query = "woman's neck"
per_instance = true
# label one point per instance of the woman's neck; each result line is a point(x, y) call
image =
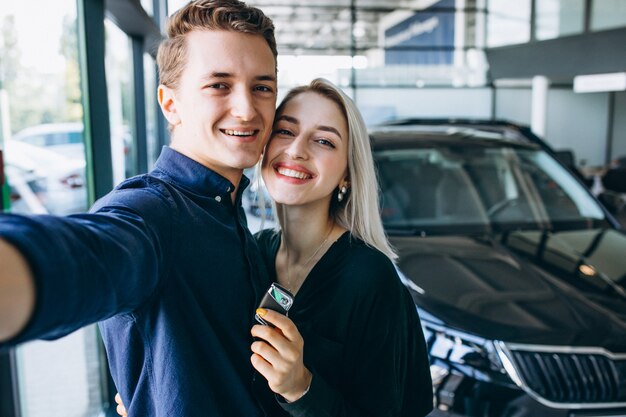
point(304, 228)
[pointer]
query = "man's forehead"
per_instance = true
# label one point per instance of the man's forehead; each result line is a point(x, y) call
point(232, 53)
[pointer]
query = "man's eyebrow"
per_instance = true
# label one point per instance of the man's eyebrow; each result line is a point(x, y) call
point(271, 78)
point(218, 74)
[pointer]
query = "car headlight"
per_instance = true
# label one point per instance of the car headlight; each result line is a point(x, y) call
point(470, 355)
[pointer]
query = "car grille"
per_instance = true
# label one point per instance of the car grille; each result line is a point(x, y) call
point(572, 377)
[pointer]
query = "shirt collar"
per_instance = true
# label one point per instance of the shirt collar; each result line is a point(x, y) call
point(194, 176)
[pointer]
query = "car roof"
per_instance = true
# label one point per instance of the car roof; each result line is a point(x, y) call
point(453, 131)
point(47, 128)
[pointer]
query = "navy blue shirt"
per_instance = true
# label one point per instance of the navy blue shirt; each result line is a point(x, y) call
point(166, 263)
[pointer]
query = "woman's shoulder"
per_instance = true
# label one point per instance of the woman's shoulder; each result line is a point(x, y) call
point(368, 266)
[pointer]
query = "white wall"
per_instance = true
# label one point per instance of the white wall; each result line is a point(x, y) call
point(514, 104)
point(619, 125)
point(578, 122)
point(574, 121)
point(379, 104)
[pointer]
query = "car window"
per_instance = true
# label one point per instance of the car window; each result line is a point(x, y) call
point(490, 186)
point(63, 138)
point(37, 140)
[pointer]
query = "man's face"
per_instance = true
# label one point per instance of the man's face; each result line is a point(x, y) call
point(223, 109)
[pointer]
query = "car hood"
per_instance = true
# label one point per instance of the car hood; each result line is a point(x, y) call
point(563, 288)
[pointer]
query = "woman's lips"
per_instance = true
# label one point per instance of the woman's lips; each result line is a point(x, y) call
point(293, 172)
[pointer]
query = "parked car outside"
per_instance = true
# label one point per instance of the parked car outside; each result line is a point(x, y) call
point(43, 181)
point(67, 139)
point(517, 271)
point(63, 138)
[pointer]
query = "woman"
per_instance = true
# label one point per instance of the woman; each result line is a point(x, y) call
point(352, 344)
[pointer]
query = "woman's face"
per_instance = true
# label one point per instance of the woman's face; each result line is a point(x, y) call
point(307, 155)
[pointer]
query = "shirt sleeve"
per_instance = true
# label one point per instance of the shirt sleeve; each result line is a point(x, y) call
point(89, 267)
point(388, 365)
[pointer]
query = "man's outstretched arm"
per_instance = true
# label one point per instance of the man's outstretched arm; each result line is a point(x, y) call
point(17, 291)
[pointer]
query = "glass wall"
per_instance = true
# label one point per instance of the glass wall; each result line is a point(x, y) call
point(555, 18)
point(41, 110)
point(608, 14)
point(508, 22)
point(151, 109)
point(119, 73)
point(42, 138)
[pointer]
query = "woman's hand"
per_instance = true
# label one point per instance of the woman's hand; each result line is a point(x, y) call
point(278, 356)
point(121, 410)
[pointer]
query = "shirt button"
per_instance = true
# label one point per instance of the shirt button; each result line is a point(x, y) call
point(228, 190)
point(218, 198)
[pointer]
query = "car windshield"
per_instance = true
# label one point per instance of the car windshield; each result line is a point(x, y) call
point(455, 187)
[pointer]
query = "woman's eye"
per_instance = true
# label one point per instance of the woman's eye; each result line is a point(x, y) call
point(325, 142)
point(283, 132)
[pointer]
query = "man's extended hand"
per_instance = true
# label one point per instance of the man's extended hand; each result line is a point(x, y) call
point(17, 291)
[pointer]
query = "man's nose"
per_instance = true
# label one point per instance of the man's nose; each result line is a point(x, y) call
point(242, 105)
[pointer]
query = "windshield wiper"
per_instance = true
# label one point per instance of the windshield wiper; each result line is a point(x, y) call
point(404, 231)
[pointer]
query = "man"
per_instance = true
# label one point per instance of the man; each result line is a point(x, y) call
point(165, 259)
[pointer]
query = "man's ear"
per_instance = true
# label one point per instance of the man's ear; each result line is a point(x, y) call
point(168, 105)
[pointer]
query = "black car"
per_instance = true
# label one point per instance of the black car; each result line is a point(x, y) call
point(517, 271)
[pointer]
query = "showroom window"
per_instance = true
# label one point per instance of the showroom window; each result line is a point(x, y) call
point(556, 18)
point(152, 141)
point(608, 14)
point(43, 140)
point(119, 73)
point(508, 22)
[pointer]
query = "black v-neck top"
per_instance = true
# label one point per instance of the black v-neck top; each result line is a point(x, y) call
point(362, 336)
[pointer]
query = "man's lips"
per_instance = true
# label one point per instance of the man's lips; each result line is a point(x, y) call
point(293, 171)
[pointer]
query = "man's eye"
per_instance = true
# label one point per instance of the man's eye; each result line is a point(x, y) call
point(264, 88)
point(218, 86)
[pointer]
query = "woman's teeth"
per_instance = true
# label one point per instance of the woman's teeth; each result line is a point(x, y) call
point(293, 173)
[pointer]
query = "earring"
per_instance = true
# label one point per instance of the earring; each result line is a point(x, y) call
point(341, 194)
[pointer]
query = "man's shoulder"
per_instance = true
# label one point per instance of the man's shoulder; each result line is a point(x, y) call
point(142, 192)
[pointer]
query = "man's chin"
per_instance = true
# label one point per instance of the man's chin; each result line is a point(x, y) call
point(246, 160)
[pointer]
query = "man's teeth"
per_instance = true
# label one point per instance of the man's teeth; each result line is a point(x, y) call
point(239, 132)
point(293, 173)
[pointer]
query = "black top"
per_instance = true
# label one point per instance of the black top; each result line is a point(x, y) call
point(168, 261)
point(362, 337)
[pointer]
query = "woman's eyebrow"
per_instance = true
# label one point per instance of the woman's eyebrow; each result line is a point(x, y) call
point(295, 121)
point(329, 129)
point(289, 119)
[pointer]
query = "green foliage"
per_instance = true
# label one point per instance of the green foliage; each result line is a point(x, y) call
point(35, 95)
